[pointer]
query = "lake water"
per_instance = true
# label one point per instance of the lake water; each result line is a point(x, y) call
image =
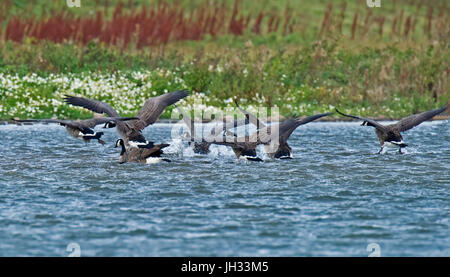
point(333, 199)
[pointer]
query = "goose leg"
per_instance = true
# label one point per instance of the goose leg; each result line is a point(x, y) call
point(400, 151)
point(101, 141)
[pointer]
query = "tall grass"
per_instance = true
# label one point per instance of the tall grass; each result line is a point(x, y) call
point(162, 22)
point(148, 26)
point(391, 61)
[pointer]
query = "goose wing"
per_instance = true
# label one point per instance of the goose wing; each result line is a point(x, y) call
point(226, 126)
point(155, 151)
point(154, 107)
point(366, 121)
point(187, 120)
point(288, 126)
point(92, 105)
point(264, 135)
point(232, 142)
point(73, 124)
point(251, 118)
point(414, 120)
point(91, 123)
point(59, 121)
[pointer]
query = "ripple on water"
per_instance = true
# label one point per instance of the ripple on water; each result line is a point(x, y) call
point(333, 198)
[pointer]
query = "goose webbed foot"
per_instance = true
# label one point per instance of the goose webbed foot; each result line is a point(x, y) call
point(102, 142)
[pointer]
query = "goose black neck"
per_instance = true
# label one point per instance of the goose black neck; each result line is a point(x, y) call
point(123, 149)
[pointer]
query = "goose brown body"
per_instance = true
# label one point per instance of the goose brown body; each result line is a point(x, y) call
point(131, 132)
point(83, 128)
point(139, 155)
point(391, 134)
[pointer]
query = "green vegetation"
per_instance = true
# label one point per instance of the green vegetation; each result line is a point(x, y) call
point(313, 69)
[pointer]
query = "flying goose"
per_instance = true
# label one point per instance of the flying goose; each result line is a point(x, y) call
point(274, 137)
point(243, 150)
point(390, 135)
point(131, 133)
point(243, 147)
point(280, 149)
point(201, 145)
point(83, 129)
point(141, 155)
point(198, 146)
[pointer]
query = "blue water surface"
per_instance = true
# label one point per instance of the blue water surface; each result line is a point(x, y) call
point(333, 199)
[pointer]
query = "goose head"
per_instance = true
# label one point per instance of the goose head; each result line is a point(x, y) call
point(109, 124)
point(119, 142)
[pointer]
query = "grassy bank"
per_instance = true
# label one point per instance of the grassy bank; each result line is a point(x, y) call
point(387, 62)
point(389, 80)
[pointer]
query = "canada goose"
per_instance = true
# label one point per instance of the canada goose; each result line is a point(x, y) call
point(201, 145)
point(280, 149)
point(250, 118)
point(83, 129)
point(274, 137)
point(242, 150)
point(389, 135)
point(242, 147)
point(141, 155)
point(131, 133)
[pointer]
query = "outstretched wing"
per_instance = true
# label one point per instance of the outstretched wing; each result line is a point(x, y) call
point(281, 131)
point(366, 121)
point(73, 124)
point(59, 121)
point(154, 107)
point(155, 151)
point(91, 123)
point(92, 105)
point(226, 125)
point(232, 142)
point(414, 120)
point(187, 120)
point(288, 126)
point(251, 118)
point(302, 121)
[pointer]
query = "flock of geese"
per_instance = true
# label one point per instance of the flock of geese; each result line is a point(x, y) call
point(136, 148)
